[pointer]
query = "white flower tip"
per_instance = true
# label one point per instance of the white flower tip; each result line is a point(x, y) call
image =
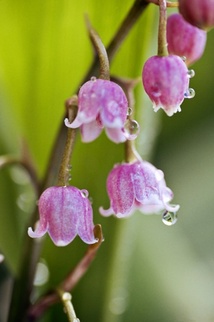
point(106, 212)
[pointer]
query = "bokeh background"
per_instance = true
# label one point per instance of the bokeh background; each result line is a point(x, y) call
point(144, 271)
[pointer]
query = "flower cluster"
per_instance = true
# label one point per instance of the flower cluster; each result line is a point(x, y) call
point(65, 211)
point(181, 43)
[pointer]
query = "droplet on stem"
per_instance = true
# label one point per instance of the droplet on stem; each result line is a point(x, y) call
point(131, 129)
point(129, 112)
point(169, 218)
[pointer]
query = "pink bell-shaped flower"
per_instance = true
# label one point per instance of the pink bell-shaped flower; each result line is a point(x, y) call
point(199, 13)
point(101, 104)
point(137, 185)
point(64, 213)
point(166, 81)
point(185, 39)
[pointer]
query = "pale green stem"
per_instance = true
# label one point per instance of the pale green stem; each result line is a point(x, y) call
point(162, 40)
point(68, 306)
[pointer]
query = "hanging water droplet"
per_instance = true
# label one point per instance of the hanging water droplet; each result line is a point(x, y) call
point(69, 177)
point(129, 111)
point(190, 93)
point(191, 73)
point(93, 78)
point(84, 193)
point(183, 58)
point(131, 129)
point(169, 218)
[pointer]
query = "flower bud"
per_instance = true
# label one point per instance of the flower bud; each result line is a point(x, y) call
point(199, 13)
point(165, 80)
point(184, 39)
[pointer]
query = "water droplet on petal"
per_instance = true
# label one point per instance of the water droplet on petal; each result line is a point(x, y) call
point(84, 193)
point(190, 93)
point(191, 73)
point(93, 79)
point(129, 112)
point(131, 129)
point(183, 58)
point(169, 218)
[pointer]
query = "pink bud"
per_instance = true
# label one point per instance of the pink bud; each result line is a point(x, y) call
point(137, 185)
point(184, 39)
point(64, 213)
point(166, 81)
point(199, 13)
point(102, 104)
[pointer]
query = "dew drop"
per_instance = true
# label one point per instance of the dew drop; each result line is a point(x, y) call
point(93, 79)
point(132, 129)
point(190, 93)
point(129, 112)
point(183, 58)
point(84, 193)
point(169, 218)
point(191, 73)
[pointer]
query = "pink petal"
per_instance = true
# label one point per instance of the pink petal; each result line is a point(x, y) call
point(90, 131)
point(116, 135)
point(114, 105)
point(85, 223)
point(120, 190)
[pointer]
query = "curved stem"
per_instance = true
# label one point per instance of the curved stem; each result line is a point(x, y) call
point(70, 280)
point(100, 51)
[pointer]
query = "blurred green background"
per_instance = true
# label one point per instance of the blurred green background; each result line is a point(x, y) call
point(144, 271)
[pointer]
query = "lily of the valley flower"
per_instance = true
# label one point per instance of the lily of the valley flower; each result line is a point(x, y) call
point(185, 39)
point(137, 185)
point(197, 12)
point(101, 104)
point(166, 81)
point(64, 213)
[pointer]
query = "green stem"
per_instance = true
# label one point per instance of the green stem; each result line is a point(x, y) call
point(162, 41)
point(63, 177)
point(100, 51)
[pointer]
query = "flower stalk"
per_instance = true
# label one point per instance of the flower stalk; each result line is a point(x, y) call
point(162, 40)
point(63, 177)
